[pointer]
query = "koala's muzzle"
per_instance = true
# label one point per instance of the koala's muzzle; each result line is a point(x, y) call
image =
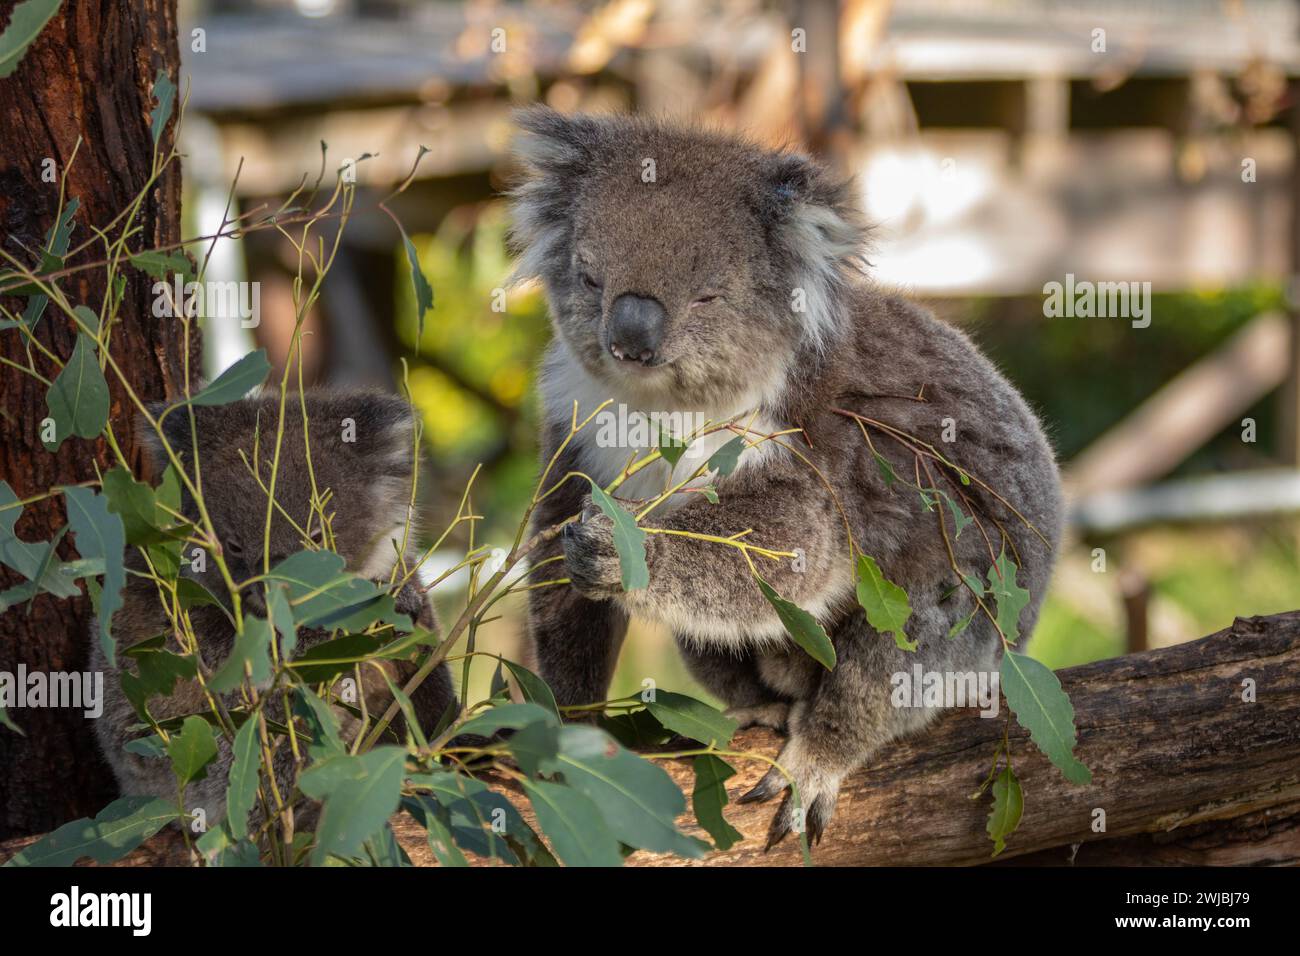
point(636, 328)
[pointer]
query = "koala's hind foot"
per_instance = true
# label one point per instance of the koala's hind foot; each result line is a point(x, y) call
point(775, 714)
point(840, 726)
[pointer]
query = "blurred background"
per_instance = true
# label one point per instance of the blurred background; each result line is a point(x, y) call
point(999, 145)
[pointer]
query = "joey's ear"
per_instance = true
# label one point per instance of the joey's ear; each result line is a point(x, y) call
point(817, 233)
point(555, 151)
point(176, 428)
point(379, 429)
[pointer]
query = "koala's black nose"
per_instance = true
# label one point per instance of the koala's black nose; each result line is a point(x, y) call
point(636, 328)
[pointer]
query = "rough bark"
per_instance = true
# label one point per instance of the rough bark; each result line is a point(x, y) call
point(90, 75)
point(1186, 771)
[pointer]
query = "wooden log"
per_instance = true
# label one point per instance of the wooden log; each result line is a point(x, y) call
point(1194, 751)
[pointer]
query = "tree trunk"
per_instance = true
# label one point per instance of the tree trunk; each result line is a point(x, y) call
point(89, 74)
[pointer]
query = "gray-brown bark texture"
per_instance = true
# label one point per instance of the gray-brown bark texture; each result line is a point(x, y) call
point(89, 74)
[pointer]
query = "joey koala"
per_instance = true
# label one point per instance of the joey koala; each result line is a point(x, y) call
point(689, 271)
point(369, 486)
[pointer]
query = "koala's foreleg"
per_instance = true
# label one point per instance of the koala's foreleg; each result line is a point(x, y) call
point(705, 588)
point(733, 677)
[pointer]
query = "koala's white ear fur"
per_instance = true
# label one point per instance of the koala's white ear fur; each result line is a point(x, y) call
point(554, 151)
point(819, 229)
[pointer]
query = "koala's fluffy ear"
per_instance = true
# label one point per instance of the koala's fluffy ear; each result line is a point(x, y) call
point(555, 152)
point(175, 426)
point(817, 231)
point(379, 429)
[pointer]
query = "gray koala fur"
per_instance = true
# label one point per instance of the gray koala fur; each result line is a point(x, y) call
point(370, 480)
point(726, 237)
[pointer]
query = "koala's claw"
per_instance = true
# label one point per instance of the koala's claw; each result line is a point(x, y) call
point(818, 792)
point(773, 782)
point(590, 555)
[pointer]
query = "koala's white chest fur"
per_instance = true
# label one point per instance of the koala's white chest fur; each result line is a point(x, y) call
point(629, 428)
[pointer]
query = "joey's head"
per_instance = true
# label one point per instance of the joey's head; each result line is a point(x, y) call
point(361, 448)
point(681, 264)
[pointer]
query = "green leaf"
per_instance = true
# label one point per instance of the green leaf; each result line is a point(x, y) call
point(1010, 597)
point(692, 718)
point(1008, 803)
point(192, 750)
point(358, 803)
point(629, 540)
point(725, 459)
point(336, 657)
point(280, 614)
point(78, 398)
point(116, 830)
point(482, 821)
point(532, 687)
point(134, 502)
point(710, 494)
point(325, 595)
point(886, 469)
point(801, 626)
point(637, 799)
point(710, 796)
point(420, 285)
point(162, 265)
point(436, 820)
point(164, 91)
point(573, 824)
point(671, 448)
point(100, 535)
point(57, 239)
point(151, 747)
point(961, 625)
point(322, 724)
point(25, 25)
point(241, 789)
point(157, 671)
point(235, 382)
point(1035, 696)
point(507, 716)
point(959, 517)
point(252, 648)
point(886, 604)
point(219, 847)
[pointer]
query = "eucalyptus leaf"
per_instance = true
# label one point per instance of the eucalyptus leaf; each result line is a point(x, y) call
point(114, 832)
point(710, 796)
point(801, 626)
point(26, 21)
point(574, 825)
point(78, 397)
point(192, 750)
point(1042, 707)
point(1008, 804)
point(886, 604)
point(692, 718)
point(100, 534)
point(629, 540)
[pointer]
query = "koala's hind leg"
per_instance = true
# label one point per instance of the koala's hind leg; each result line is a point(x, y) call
point(844, 723)
point(733, 677)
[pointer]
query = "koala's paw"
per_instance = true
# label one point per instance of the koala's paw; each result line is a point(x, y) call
point(775, 715)
point(590, 556)
point(818, 791)
point(414, 603)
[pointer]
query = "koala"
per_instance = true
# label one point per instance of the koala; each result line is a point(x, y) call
point(693, 273)
point(368, 482)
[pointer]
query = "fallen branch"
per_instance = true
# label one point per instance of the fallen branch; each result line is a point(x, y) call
point(1185, 770)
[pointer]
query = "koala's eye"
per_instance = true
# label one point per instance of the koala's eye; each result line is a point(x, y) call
point(705, 300)
point(589, 282)
point(234, 549)
point(318, 537)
